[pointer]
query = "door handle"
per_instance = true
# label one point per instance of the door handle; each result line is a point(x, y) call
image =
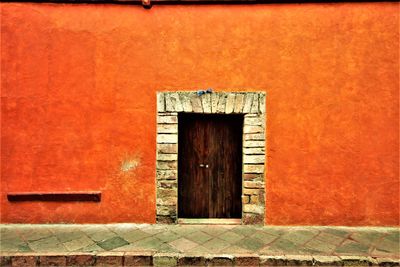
point(203, 165)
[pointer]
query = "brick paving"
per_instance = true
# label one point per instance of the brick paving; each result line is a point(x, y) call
point(144, 244)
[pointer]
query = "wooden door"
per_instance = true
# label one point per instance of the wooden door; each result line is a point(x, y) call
point(210, 166)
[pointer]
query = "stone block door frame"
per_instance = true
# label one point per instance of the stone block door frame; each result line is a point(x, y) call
point(252, 106)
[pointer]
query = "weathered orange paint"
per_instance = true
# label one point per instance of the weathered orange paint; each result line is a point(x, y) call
point(78, 103)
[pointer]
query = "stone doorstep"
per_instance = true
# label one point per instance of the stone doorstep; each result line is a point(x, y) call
point(146, 258)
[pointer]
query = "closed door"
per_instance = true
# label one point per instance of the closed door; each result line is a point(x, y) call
point(210, 166)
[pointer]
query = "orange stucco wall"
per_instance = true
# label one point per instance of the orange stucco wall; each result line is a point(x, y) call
point(78, 102)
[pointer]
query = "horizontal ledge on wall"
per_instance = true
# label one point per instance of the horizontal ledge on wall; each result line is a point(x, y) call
point(84, 196)
point(183, 2)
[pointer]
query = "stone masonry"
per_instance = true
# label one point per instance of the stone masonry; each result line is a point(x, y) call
point(252, 106)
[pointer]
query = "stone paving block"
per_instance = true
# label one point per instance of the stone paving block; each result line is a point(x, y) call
point(273, 260)
point(138, 259)
point(321, 246)
point(247, 260)
point(7, 233)
point(101, 235)
point(199, 237)
point(92, 248)
point(252, 244)
point(50, 244)
point(388, 245)
point(220, 260)
point(299, 260)
point(165, 259)
point(191, 260)
point(81, 259)
point(11, 244)
point(109, 259)
point(266, 238)
point(91, 229)
point(166, 248)
point(113, 243)
point(281, 245)
point(273, 230)
point(358, 261)
point(36, 234)
point(78, 243)
point(393, 236)
point(153, 229)
point(352, 248)
point(245, 230)
point(366, 238)
point(183, 230)
point(24, 260)
point(335, 231)
point(214, 230)
point(52, 260)
point(5, 260)
point(230, 237)
point(236, 250)
point(167, 236)
point(24, 248)
point(199, 250)
point(388, 262)
point(216, 245)
point(220, 240)
point(148, 243)
point(321, 260)
point(183, 244)
point(300, 236)
point(384, 254)
point(69, 235)
point(329, 238)
point(15, 245)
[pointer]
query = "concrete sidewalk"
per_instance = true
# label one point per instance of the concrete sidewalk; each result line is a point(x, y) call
point(162, 245)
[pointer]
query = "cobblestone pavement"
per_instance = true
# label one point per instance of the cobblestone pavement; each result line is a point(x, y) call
point(313, 245)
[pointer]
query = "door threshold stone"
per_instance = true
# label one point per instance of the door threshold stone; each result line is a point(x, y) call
point(209, 221)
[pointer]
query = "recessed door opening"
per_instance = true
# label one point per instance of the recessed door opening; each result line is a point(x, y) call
point(210, 165)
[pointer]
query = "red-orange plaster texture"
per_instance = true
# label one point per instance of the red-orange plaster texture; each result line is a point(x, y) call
point(78, 103)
